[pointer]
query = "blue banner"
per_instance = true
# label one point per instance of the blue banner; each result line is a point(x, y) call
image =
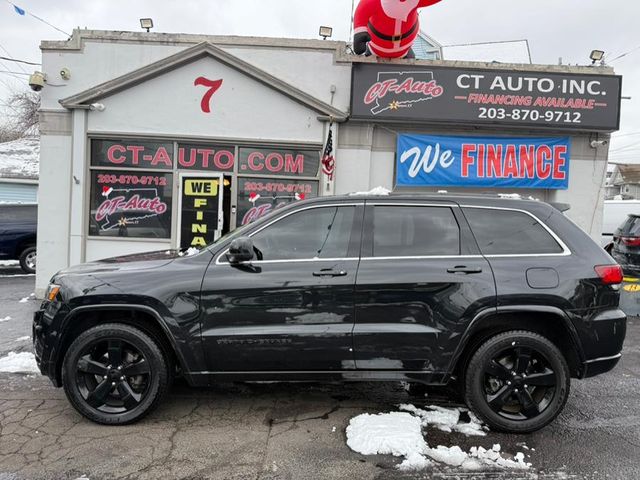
point(497, 162)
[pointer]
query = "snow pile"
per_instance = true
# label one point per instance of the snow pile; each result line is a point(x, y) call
point(23, 339)
point(8, 263)
point(189, 252)
point(20, 158)
point(400, 434)
point(23, 362)
point(447, 419)
point(374, 191)
point(5, 319)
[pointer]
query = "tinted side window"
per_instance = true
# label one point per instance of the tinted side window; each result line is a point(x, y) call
point(504, 232)
point(401, 231)
point(315, 233)
point(19, 213)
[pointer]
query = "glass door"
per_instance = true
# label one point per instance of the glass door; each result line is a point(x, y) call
point(201, 209)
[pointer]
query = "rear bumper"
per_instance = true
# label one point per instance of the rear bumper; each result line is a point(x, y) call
point(597, 366)
point(602, 337)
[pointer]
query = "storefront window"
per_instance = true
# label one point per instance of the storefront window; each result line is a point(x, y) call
point(130, 204)
point(264, 161)
point(206, 157)
point(259, 196)
point(132, 153)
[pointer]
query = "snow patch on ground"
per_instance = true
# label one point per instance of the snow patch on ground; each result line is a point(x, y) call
point(26, 299)
point(5, 319)
point(8, 263)
point(23, 339)
point(189, 252)
point(401, 434)
point(23, 362)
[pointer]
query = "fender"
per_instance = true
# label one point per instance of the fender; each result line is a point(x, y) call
point(160, 320)
point(477, 322)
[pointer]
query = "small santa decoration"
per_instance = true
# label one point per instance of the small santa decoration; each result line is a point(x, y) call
point(387, 28)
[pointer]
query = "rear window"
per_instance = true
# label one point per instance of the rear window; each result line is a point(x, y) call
point(402, 231)
point(506, 232)
point(18, 213)
point(631, 226)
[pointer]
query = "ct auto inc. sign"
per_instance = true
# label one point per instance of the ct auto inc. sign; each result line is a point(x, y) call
point(499, 97)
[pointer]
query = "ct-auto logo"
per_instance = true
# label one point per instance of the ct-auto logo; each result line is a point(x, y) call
point(396, 90)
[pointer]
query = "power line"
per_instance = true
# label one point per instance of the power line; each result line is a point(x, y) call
point(14, 72)
point(22, 11)
point(9, 59)
point(624, 54)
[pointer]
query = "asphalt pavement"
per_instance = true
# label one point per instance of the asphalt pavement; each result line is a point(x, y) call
point(290, 431)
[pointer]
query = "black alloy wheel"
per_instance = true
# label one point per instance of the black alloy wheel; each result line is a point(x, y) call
point(114, 374)
point(517, 382)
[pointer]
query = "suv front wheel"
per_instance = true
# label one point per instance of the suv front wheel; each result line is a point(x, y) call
point(517, 382)
point(114, 374)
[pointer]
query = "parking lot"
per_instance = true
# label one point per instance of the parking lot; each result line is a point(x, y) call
point(291, 431)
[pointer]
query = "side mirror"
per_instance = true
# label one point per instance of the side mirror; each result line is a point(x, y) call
point(240, 250)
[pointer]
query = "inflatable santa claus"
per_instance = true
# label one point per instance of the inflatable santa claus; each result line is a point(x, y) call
point(387, 28)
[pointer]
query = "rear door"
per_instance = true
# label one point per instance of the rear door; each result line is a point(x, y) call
point(420, 282)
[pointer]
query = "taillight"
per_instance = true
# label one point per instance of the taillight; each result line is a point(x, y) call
point(609, 274)
point(631, 241)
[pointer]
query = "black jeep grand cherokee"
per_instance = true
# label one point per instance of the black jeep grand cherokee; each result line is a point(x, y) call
point(507, 296)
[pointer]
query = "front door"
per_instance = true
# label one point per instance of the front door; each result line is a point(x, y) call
point(201, 214)
point(420, 281)
point(291, 308)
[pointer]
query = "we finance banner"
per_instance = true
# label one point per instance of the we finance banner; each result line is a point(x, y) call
point(496, 162)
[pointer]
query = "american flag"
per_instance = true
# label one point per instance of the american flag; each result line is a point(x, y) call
point(328, 160)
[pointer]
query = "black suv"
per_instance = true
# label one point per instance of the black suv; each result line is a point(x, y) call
point(507, 296)
point(18, 228)
point(626, 245)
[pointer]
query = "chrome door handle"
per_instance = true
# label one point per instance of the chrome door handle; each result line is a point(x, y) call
point(464, 269)
point(330, 273)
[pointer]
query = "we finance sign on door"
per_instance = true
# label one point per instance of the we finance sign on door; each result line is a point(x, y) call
point(497, 162)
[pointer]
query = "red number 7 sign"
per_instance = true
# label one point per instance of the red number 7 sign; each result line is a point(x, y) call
point(213, 86)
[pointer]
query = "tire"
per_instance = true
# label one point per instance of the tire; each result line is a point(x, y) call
point(102, 392)
point(499, 377)
point(28, 260)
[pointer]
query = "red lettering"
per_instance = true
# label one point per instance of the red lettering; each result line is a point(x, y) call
point(494, 161)
point(112, 157)
point(206, 153)
point(135, 150)
point(253, 166)
point(544, 154)
point(527, 161)
point(192, 158)
point(510, 163)
point(467, 159)
point(220, 163)
point(279, 165)
point(161, 156)
point(294, 166)
point(559, 160)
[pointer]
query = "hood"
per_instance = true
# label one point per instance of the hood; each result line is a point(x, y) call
point(136, 261)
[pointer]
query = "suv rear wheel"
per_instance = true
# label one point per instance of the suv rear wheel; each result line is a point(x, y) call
point(517, 382)
point(28, 260)
point(114, 374)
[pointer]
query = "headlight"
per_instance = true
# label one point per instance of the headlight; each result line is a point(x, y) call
point(52, 292)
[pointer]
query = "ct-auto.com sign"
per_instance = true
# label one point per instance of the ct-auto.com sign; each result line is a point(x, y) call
point(499, 97)
point(497, 162)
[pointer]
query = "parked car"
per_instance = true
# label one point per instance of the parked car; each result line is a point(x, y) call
point(614, 214)
point(18, 228)
point(507, 297)
point(626, 245)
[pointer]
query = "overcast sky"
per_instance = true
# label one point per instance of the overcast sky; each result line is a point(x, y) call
point(568, 28)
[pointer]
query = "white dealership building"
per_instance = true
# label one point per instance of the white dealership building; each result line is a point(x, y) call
point(154, 141)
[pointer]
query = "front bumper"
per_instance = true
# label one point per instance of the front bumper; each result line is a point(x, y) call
point(43, 345)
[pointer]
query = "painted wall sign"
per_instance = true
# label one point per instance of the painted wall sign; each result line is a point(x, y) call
point(264, 161)
point(200, 211)
point(130, 204)
point(500, 162)
point(259, 196)
point(212, 87)
point(206, 157)
point(132, 153)
point(499, 97)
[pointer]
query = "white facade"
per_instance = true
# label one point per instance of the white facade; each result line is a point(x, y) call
point(277, 95)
